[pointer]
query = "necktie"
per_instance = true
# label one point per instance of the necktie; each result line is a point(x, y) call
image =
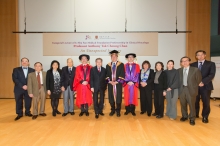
point(200, 65)
point(99, 69)
point(24, 67)
point(70, 70)
point(185, 77)
point(113, 67)
point(130, 66)
point(38, 80)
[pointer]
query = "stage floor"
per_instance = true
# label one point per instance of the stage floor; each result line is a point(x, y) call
point(110, 131)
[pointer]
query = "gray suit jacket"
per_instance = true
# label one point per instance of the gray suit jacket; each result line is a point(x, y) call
point(33, 84)
point(193, 80)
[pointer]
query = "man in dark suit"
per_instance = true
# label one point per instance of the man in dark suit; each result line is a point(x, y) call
point(98, 85)
point(190, 77)
point(67, 78)
point(19, 77)
point(208, 70)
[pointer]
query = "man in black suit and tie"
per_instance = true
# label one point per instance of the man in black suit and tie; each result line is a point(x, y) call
point(19, 77)
point(67, 78)
point(98, 85)
point(208, 70)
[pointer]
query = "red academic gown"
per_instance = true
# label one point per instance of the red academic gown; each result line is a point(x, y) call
point(84, 94)
point(131, 92)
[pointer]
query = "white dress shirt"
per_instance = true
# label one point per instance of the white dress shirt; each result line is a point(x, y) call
point(199, 62)
point(25, 71)
point(187, 71)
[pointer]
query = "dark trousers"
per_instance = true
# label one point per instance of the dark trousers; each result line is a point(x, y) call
point(84, 108)
point(158, 100)
point(146, 100)
point(130, 108)
point(54, 104)
point(19, 97)
point(98, 105)
point(186, 98)
point(205, 96)
point(117, 109)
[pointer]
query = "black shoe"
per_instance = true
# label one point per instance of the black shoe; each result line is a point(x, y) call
point(149, 115)
point(197, 116)
point(72, 113)
point(34, 117)
point(87, 113)
point(97, 116)
point(142, 113)
point(64, 114)
point(102, 114)
point(18, 117)
point(154, 114)
point(159, 117)
point(126, 113)
point(192, 122)
point(183, 119)
point(54, 114)
point(81, 114)
point(205, 120)
point(43, 114)
point(118, 114)
point(133, 113)
point(29, 115)
point(111, 113)
point(58, 112)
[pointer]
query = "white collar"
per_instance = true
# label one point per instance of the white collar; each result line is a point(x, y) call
point(201, 61)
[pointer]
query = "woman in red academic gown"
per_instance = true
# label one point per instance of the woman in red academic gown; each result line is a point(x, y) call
point(81, 85)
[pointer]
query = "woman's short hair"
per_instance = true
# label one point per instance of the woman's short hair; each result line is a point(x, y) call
point(161, 63)
point(170, 61)
point(146, 62)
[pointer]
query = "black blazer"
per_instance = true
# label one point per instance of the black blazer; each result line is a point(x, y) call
point(97, 79)
point(19, 79)
point(65, 77)
point(208, 73)
point(150, 80)
point(162, 79)
point(50, 80)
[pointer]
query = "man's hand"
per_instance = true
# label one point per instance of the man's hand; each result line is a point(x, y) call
point(25, 87)
point(48, 92)
point(92, 89)
point(31, 95)
point(201, 84)
point(169, 89)
point(164, 93)
point(143, 84)
point(130, 83)
point(62, 88)
point(85, 83)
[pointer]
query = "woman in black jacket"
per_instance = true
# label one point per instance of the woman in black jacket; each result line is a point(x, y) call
point(146, 79)
point(160, 87)
point(53, 85)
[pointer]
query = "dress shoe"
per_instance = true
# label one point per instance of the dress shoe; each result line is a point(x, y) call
point(197, 116)
point(18, 117)
point(72, 113)
point(64, 114)
point(154, 114)
point(142, 113)
point(192, 122)
point(133, 113)
point(159, 117)
point(34, 117)
point(149, 115)
point(87, 113)
point(126, 113)
point(183, 119)
point(43, 114)
point(102, 114)
point(118, 114)
point(81, 114)
point(205, 120)
point(97, 116)
point(29, 115)
point(58, 112)
point(111, 113)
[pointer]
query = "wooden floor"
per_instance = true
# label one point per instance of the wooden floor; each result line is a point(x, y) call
point(110, 131)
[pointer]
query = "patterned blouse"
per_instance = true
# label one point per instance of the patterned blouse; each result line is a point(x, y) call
point(57, 86)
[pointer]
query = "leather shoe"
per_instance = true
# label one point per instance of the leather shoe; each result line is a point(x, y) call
point(133, 113)
point(72, 113)
point(54, 114)
point(43, 114)
point(102, 114)
point(111, 113)
point(87, 113)
point(18, 117)
point(142, 113)
point(34, 117)
point(81, 114)
point(58, 112)
point(97, 116)
point(205, 120)
point(149, 115)
point(159, 117)
point(118, 114)
point(183, 119)
point(192, 122)
point(197, 116)
point(64, 114)
point(154, 114)
point(126, 113)
point(29, 115)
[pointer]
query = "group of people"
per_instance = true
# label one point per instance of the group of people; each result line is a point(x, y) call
point(190, 83)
